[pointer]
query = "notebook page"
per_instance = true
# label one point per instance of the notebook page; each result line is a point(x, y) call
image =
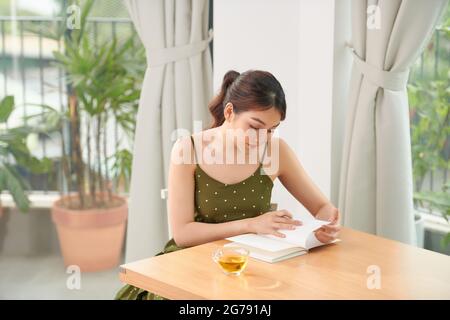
point(301, 236)
point(270, 256)
point(261, 242)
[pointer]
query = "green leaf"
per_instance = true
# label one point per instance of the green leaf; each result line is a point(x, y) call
point(6, 107)
point(9, 181)
point(445, 241)
point(441, 199)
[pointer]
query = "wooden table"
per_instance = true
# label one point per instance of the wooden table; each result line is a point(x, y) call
point(337, 271)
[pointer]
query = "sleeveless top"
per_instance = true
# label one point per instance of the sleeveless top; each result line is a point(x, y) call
point(217, 202)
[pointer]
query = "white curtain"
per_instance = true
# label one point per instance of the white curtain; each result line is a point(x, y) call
point(175, 93)
point(376, 186)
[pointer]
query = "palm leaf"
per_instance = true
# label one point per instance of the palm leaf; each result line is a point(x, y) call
point(9, 181)
point(6, 107)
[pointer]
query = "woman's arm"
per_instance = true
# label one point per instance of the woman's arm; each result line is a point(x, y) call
point(181, 185)
point(294, 177)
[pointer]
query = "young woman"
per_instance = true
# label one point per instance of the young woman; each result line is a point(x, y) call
point(217, 191)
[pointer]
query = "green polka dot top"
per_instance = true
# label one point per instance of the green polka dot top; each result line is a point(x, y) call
point(217, 202)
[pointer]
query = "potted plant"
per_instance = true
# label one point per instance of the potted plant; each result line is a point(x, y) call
point(103, 83)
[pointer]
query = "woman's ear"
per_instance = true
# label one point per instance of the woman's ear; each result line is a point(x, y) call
point(228, 112)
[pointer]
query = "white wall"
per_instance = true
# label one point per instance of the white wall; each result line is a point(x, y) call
point(292, 39)
point(341, 80)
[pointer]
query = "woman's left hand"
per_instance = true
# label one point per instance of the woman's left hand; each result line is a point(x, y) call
point(328, 232)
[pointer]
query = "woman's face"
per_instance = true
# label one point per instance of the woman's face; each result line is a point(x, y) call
point(257, 126)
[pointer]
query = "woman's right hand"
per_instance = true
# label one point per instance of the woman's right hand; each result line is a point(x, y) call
point(272, 221)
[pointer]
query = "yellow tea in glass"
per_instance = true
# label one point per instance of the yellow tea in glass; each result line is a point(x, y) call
point(231, 259)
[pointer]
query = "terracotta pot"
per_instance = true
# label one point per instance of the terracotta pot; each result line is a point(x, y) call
point(91, 239)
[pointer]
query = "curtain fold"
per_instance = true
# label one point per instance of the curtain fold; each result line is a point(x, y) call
point(376, 185)
point(175, 92)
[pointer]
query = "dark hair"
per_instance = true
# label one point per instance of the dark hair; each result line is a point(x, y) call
point(251, 90)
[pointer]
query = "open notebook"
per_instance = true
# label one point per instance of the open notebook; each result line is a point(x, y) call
point(272, 249)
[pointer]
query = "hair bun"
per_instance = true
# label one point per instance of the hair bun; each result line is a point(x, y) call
point(228, 79)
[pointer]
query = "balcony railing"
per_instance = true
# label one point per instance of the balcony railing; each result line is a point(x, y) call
point(27, 72)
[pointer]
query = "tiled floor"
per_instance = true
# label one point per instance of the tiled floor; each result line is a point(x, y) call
point(45, 277)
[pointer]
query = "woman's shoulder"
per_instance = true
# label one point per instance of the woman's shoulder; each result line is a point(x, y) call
point(278, 152)
point(182, 142)
point(278, 142)
point(186, 146)
point(186, 140)
point(182, 151)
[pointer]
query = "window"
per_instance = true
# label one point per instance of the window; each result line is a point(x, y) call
point(29, 71)
point(429, 100)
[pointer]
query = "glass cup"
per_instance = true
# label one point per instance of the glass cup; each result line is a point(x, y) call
point(231, 259)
